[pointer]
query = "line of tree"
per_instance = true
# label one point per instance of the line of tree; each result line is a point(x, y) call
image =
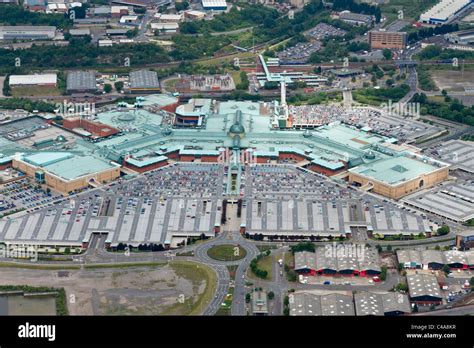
point(429, 32)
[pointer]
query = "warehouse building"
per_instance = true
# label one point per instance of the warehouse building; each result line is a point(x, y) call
point(305, 263)
point(421, 259)
point(377, 304)
point(463, 37)
point(215, 5)
point(27, 32)
point(424, 289)
point(165, 28)
point(456, 259)
point(66, 172)
point(37, 80)
point(399, 175)
point(323, 262)
point(356, 18)
point(81, 82)
point(144, 81)
point(387, 39)
point(310, 304)
point(445, 11)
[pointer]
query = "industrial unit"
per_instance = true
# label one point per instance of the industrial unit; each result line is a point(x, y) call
point(27, 32)
point(445, 11)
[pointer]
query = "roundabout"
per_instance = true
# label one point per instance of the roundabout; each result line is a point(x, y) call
point(226, 252)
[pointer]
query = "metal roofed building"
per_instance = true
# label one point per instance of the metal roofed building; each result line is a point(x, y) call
point(143, 81)
point(432, 259)
point(81, 82)
point(356, 263)
point(456, 259)
point(356, 18)
point(66, 172)
point(463, 37)
point(377, 304)
point(309, 304)
point(445, 11)
point(305, 262)
point(398, 176)
point(424, 289)
point(465, 240)
point(409, 258)
point(27, 32)
point(216, 5)
point(33, 80)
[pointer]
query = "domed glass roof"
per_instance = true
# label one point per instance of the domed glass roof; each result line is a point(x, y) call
point(237, 128)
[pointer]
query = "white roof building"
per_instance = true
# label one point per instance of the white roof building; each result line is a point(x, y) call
point(37, 79)
point(444, 11)
point(164, 17)
point(214, 4)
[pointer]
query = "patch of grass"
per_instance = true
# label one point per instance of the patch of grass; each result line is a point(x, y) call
point(35, 91)
point(226, 252)
point(195, 273)
point(60, 295)
point(37, 266)
point(126, 265)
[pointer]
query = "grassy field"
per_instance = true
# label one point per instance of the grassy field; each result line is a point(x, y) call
point(411, 9)
point(195, 273)
point(34, 91)
point(226, 252)
point(265, 264)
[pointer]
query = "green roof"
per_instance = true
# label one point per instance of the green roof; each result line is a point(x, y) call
point(42, 159)
point(78, 166)
point(396, 170)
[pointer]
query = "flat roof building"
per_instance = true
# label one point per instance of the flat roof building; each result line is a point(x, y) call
point(399, 175)
point(144, 81)
point(33, 80)
point(445, 11)
point(463, 37)
point(465, 240)
point(216, 5)
point(81, 82)
point(424, 289)
point(259, 303)
point(66, 172)
point(27, 32)
point(387, 39)
point(310, 304)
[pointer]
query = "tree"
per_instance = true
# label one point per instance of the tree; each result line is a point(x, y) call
point(383, 273)
point(400, 267)
point(107, 88)
point(446, 269)
point(387, 54)
point(389, 248)
point(443, 230)
point(67, 251)
point(247, 298)
point(181, 6)
point(471, 282)
point(271, 295)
